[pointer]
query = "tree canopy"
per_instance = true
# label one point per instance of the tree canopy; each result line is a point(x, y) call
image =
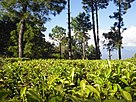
point(23, 29)
point(30, 11)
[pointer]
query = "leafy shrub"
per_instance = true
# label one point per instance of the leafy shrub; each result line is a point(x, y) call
point(69, 81)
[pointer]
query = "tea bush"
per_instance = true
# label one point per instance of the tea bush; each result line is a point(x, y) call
point(68, 81)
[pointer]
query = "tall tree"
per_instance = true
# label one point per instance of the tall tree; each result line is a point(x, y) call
point(58, 34)
point(81, 24)
point(34, 43)
point(93, 6)
point(123, 6)
point(30, 10)
point(111, 41)
point(69, 32)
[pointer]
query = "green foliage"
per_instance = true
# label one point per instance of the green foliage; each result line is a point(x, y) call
point(117, 28)
point(58, 34)
point(93, 6)
point(101, 4)
point(6, 26)
point(34, 44)
point(37, 10)
point(1, 62)
point(3, 95)
point(81, 25)
point(31, 16)
point(91, 52)
point(111, 40)
point(134, 55)
point(69, 81)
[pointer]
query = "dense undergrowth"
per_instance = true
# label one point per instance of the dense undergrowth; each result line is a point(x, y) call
point(67, 80)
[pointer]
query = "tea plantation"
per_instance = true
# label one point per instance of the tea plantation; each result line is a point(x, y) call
point(67, 80)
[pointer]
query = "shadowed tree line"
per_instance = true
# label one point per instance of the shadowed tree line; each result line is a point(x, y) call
point(23, 22)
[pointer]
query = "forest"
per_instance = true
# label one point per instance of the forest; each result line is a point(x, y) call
point(23, 23)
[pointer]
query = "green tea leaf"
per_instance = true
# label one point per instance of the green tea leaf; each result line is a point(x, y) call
point(119, 87)
point(83, 84)
point(72, 98)
point(92, 89)
point(22, 91)
point(126, 96)
point(115, 87)
point(89, 100)
point(72, 73)
point(128, 89)
point(124, 81)
point(52, 78)
point(33, 96)
point(109, 64)
point(59, 88)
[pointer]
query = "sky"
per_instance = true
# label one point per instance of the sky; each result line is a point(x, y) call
point(129, 36)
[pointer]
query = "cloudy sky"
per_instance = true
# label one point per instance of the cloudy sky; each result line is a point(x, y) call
point(129, 35)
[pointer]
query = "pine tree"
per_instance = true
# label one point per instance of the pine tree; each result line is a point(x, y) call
point(58, 34)
point(80, 25)
point(93, 6)
point(123, 6)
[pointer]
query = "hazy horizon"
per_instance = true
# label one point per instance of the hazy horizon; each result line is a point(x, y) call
point(127, 52)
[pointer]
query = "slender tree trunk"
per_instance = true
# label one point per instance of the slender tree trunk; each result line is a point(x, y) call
point(21, 32)
point(119, 50)
point(60, 49)
point(93, 21)
point(20, 39)
point(83, 47)
point(109, 54)
point(97, 27)
point(69, 32)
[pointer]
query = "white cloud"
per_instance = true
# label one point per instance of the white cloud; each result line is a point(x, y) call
point(129, 36)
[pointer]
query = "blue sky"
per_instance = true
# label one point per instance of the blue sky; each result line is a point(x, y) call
point(104, 20)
